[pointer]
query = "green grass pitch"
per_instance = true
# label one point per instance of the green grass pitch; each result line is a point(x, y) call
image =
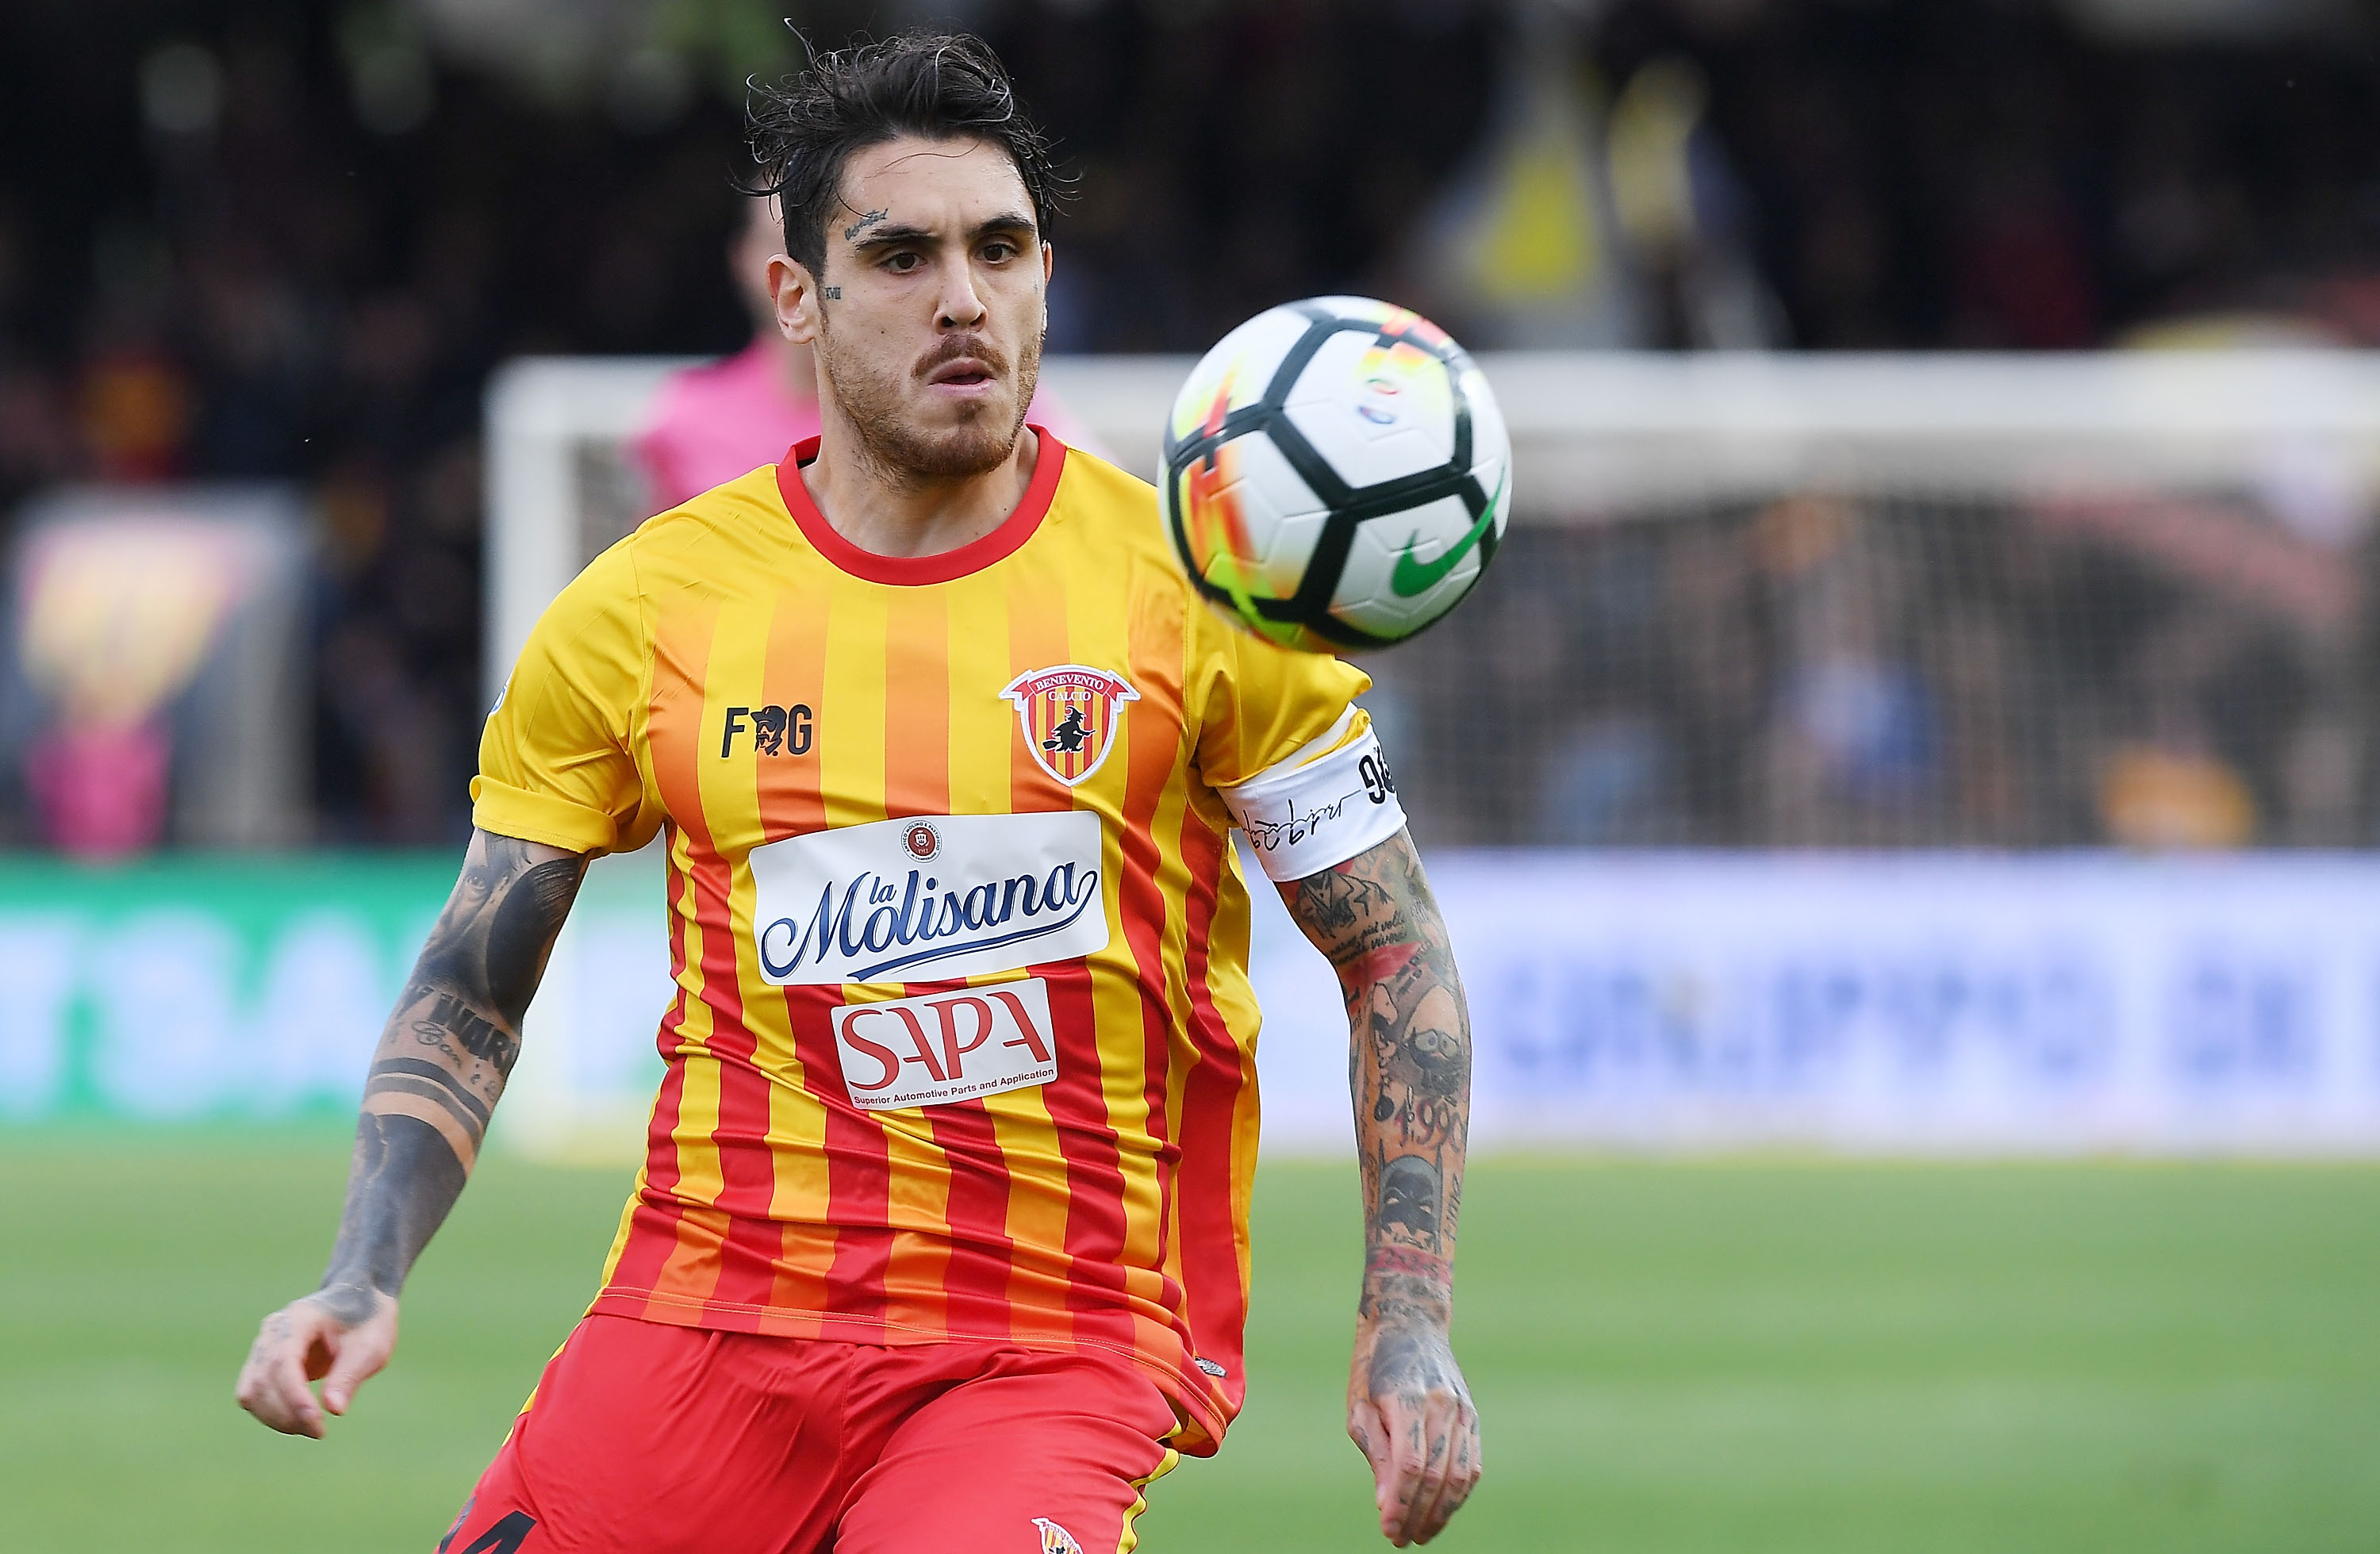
point(1744, 1355)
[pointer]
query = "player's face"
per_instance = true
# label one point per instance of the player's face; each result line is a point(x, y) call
point(928, 318)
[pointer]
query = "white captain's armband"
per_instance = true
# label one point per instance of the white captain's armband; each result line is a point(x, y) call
point(1304, 818)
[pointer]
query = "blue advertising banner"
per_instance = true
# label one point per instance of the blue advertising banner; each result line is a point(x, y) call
point(1902, 1001)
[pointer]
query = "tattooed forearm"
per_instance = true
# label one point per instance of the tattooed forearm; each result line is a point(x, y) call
point(1407, 1211)
point(404, 1178)
point(1409, 1069)
point(1405, 1259)
point(443, 1062)
point(450, 1022)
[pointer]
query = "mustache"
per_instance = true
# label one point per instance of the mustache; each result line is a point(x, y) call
point(952, 347)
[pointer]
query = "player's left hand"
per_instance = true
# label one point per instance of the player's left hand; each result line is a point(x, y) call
point(1410, 1412)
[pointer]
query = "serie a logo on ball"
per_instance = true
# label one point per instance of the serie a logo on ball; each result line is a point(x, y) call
point(1337, 474)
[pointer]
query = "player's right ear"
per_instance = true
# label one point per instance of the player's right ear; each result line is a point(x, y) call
point(795, 294)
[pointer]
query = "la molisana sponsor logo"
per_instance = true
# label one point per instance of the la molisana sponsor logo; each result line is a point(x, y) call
point(925, 898)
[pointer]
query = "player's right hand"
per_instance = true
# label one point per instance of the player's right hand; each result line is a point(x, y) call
point(340, 1338)
point(1410, 1412)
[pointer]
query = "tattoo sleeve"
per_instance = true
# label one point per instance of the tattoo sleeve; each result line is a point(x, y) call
point(1409, 1068)
point(443, 1061)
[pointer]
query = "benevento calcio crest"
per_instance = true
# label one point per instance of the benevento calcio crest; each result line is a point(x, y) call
point(1070, 716)
point(1055, 1539)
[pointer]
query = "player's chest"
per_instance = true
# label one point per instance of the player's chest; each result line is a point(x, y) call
point(773, 727)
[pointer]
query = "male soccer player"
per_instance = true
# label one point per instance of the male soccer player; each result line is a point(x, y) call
point(942, 1238)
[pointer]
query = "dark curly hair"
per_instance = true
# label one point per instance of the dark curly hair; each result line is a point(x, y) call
point(940, 85)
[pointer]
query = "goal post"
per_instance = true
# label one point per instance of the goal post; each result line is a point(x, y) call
point(1784, 641)
point(561, 482)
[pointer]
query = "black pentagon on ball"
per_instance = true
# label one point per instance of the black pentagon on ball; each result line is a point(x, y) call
point(1349, 505)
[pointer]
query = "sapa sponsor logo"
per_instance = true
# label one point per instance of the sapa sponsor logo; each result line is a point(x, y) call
point(945, 1047)
point(929, 898)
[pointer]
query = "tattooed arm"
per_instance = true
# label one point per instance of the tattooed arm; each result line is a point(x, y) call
point(1410, 1070)
point(441, 1065)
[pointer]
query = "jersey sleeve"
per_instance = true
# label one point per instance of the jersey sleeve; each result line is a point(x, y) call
point(1292, 757)
point(557, 764)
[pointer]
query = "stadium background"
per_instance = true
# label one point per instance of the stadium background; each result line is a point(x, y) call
point(2111, 752)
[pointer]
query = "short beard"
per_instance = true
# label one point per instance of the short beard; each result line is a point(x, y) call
point(906, 457)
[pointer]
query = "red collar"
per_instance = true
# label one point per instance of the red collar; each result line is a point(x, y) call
point(911, 570)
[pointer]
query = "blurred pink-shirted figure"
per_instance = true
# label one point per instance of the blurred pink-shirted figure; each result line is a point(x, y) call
point(727, 418)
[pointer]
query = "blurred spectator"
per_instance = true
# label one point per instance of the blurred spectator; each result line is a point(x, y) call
point(1523, 249)
point(715, 422)
point(1684, 213)
point(1854, 747)
point(1608, 781)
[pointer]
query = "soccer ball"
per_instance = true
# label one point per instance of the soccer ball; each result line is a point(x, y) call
point(1337, 474)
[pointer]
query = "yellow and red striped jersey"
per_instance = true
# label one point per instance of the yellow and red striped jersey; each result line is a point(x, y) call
point(961, 1045)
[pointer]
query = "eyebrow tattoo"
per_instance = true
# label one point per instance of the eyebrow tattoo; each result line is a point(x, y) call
point(852, 232)
point(883, 237)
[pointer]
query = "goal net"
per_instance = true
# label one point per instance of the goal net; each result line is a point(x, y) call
point(1864, 604)
point(1747, 601)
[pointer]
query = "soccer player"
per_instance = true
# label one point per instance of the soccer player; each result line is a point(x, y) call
point(941, 1237)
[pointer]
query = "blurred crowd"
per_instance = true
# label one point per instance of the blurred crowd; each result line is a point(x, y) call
point(1956, 174)
point(225, 254)
point(287, 242)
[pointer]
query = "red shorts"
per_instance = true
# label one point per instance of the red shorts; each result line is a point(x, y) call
point(644, 1438)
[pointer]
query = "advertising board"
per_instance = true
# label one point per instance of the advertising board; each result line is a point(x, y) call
point(1903, 1002)
point(193, 988)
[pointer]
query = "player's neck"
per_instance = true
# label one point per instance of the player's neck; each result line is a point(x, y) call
point(885, 514)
